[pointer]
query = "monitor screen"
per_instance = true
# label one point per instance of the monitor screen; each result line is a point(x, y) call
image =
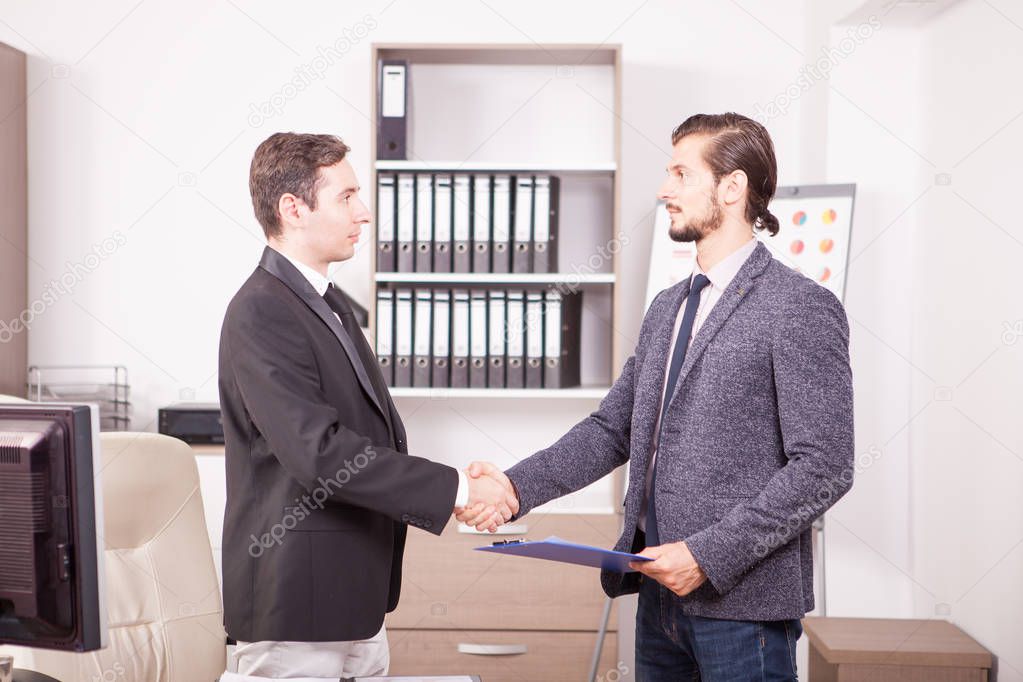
point(50, 509)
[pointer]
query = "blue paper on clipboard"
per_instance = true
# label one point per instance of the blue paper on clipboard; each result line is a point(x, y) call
point(556, 549)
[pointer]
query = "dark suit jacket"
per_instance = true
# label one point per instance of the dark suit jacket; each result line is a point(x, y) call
point(319, 483)
point(757, 440)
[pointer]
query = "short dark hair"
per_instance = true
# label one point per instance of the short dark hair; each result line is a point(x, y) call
point(739, 143)
point(289, 163)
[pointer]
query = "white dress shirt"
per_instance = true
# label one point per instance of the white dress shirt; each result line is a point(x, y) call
point(720, 277)
point(321, 284)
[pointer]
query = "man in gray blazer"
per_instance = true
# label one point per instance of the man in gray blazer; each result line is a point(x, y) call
point(735, 415)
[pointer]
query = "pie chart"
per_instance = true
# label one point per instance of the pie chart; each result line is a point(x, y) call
point(796, 247)
point(829, 216)
point(799, 217)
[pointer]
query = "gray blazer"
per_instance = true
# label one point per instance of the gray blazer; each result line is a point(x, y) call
point(757, 440)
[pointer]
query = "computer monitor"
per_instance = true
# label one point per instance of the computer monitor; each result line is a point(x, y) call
point(51, 569)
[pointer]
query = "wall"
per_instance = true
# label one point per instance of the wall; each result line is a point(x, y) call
point(967, 445)
point(156, 147)
point(867, 536)
point(924, 119)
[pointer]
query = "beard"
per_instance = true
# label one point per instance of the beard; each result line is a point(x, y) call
point(695, 229)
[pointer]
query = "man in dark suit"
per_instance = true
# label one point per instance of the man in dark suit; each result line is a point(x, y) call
point(320, 485)
point(735, 415)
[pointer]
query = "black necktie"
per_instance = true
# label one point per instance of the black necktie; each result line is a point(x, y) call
point(677, 358)
point(339, 304)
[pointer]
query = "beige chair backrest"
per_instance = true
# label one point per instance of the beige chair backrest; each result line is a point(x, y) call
point(163, 601)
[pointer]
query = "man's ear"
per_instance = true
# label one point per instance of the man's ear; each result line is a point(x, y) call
point(734, 187)
point(290, 209)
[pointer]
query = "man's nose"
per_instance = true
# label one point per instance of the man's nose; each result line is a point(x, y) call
point(363, 216)
point(664, 191)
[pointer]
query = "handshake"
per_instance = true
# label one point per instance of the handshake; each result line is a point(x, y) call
point(492, 498)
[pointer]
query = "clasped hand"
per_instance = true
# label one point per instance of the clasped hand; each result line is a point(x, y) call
point(492, 498)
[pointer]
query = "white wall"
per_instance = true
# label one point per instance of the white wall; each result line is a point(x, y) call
point(967, 446)
point(867, 536)
point(141, 127)
point(143, 120)
point(924, 119)
point(147, 131)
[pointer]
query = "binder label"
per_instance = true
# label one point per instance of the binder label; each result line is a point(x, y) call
point(392, 95)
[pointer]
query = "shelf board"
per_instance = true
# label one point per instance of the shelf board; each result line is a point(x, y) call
point(477, 166)
point(495, 278)
point(568, 54)
point(582, 392)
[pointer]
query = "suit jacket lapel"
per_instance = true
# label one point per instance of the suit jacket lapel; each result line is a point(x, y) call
point(737, 290)
point(278, 266)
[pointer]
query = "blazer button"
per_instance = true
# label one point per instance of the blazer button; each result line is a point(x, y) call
point(404, 517)
point(428, 523)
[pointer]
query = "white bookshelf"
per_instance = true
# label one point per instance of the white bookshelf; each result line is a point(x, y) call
point(510, 279)
point(497, 167)
point(578, 393)
point(524, 108)
point(557, 110)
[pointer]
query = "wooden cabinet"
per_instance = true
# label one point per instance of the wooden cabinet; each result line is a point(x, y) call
point(499, 655)
point(502, 617)
point(895, 650)
point(13, 223)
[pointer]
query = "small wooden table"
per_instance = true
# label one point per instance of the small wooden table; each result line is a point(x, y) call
point(879, 650)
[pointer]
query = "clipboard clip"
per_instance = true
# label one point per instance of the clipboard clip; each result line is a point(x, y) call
point(506, 542)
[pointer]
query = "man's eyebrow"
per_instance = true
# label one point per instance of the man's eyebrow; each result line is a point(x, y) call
point(346, 190)
point(678, 166)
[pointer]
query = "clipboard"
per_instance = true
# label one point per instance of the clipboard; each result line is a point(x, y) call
point(556, 549)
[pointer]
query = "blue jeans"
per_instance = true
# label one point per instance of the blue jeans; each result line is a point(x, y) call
point(673, 646)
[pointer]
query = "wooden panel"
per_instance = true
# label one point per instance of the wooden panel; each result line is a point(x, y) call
point(447, 585)
point(848, 672)
point(895, 642)
point(13, 222)
point(821, 670)
point(549, 655)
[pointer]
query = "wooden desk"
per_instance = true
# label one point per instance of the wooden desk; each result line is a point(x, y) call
point(878, 650)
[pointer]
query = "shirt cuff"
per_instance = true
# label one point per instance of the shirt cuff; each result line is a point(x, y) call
point(462, 496)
